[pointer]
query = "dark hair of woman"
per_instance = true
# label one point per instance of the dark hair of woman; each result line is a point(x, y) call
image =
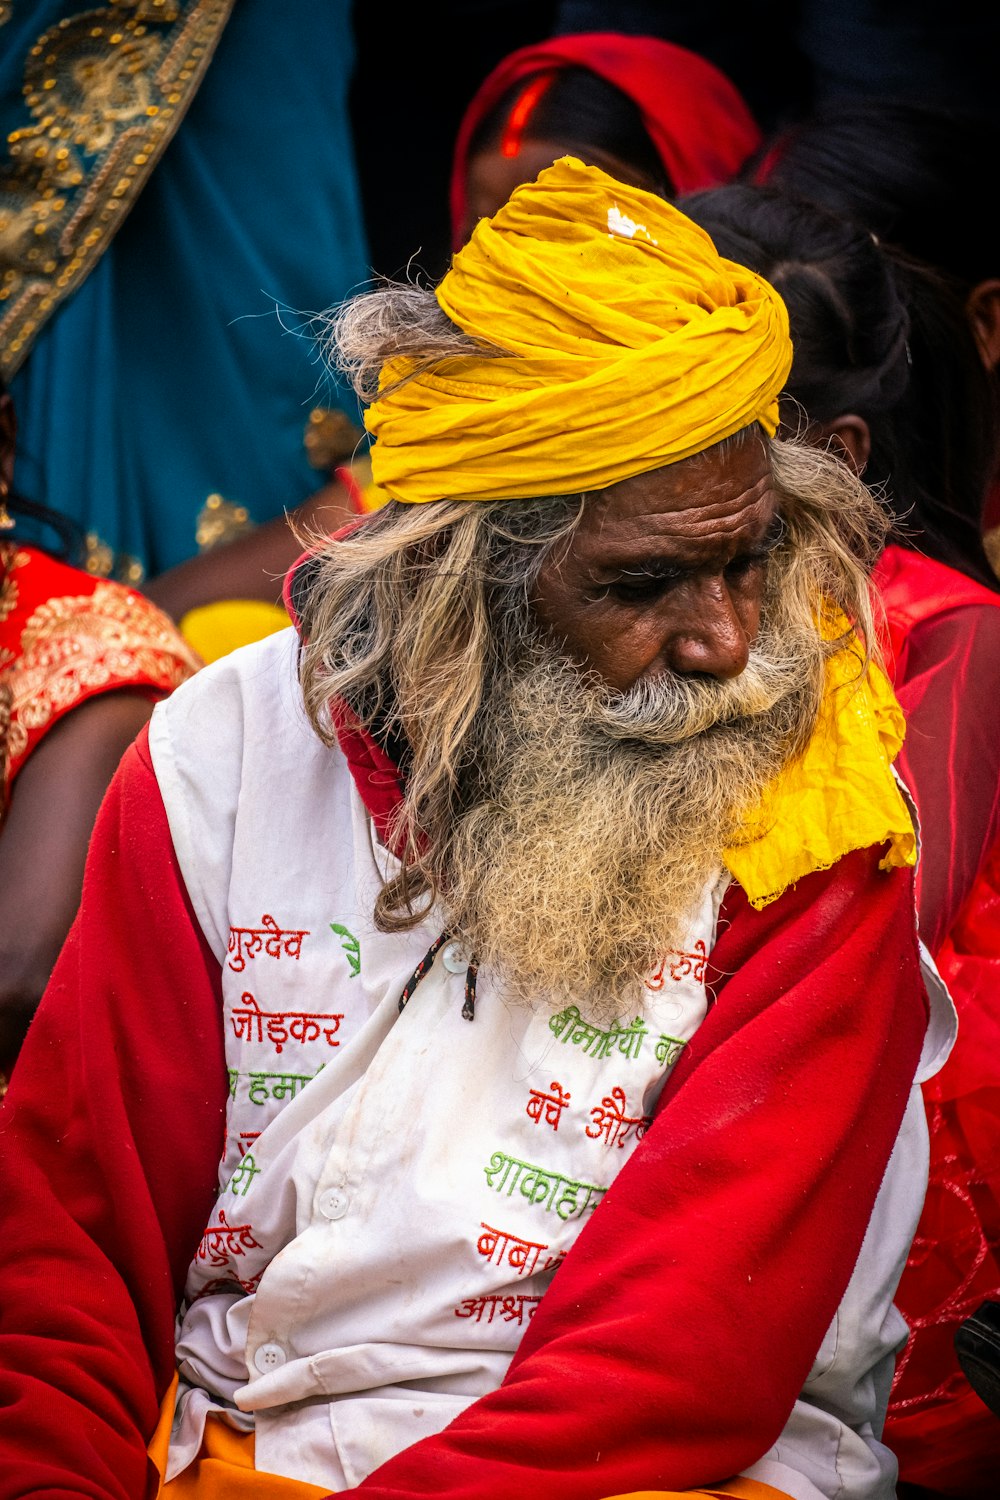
point(575, 107)
point(915, 174)
point(66, 543)
point(882, 336)
point(68, 538)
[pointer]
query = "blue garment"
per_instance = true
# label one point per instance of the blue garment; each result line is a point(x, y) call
point(168, 375)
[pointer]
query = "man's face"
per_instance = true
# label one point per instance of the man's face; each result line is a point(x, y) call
point(665, 571)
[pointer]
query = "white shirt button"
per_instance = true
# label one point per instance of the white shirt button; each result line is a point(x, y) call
point(454, 958)
point(333, 1203)
point(269, 1357)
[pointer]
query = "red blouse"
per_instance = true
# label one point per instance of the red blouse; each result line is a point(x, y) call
point(65, 637)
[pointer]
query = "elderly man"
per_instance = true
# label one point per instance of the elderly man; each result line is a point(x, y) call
point(494, 1019)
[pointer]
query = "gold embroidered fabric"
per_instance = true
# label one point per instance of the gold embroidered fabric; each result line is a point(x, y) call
point(219, 521)
point(6, 698)
point(104, 90)
point(331, 437)
point(73, 647)
point(101, 560)
point(12, 557)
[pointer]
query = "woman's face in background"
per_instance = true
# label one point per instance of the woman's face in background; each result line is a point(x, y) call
point(491, 177)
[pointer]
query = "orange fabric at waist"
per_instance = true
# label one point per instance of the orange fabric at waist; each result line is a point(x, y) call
point(224, 1470)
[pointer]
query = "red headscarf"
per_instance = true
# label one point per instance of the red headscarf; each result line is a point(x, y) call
point(695, 117)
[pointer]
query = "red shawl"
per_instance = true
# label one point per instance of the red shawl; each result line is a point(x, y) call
point(695, 117)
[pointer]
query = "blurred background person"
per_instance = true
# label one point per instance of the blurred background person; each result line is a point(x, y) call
point(783, 56)
point(886, 371)
point(178, 191)
point(913, 173)
point(82, 662)
point(650, 113)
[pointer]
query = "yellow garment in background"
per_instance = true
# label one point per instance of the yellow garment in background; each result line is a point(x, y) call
point(629, 343)
point(213, 630)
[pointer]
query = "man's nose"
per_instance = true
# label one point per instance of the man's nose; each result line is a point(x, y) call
point(715, 639)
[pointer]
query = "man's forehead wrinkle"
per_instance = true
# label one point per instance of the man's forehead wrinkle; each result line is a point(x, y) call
point(702, 521)
point(718, 499)
point(724, 516)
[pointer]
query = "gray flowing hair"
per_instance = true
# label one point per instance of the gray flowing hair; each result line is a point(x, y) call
point(412, 618)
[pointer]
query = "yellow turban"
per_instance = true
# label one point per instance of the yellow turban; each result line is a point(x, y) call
point(630, 343)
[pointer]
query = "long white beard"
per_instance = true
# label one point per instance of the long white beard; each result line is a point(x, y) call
point(598, 818)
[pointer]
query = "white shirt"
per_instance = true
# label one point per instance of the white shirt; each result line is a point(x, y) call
point(398, 1188)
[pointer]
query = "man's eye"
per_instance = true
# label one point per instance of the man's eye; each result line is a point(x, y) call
point(639, 590)
point(740, 567)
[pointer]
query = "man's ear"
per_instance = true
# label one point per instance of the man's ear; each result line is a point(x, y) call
point(983, 309)
point(848, 436)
